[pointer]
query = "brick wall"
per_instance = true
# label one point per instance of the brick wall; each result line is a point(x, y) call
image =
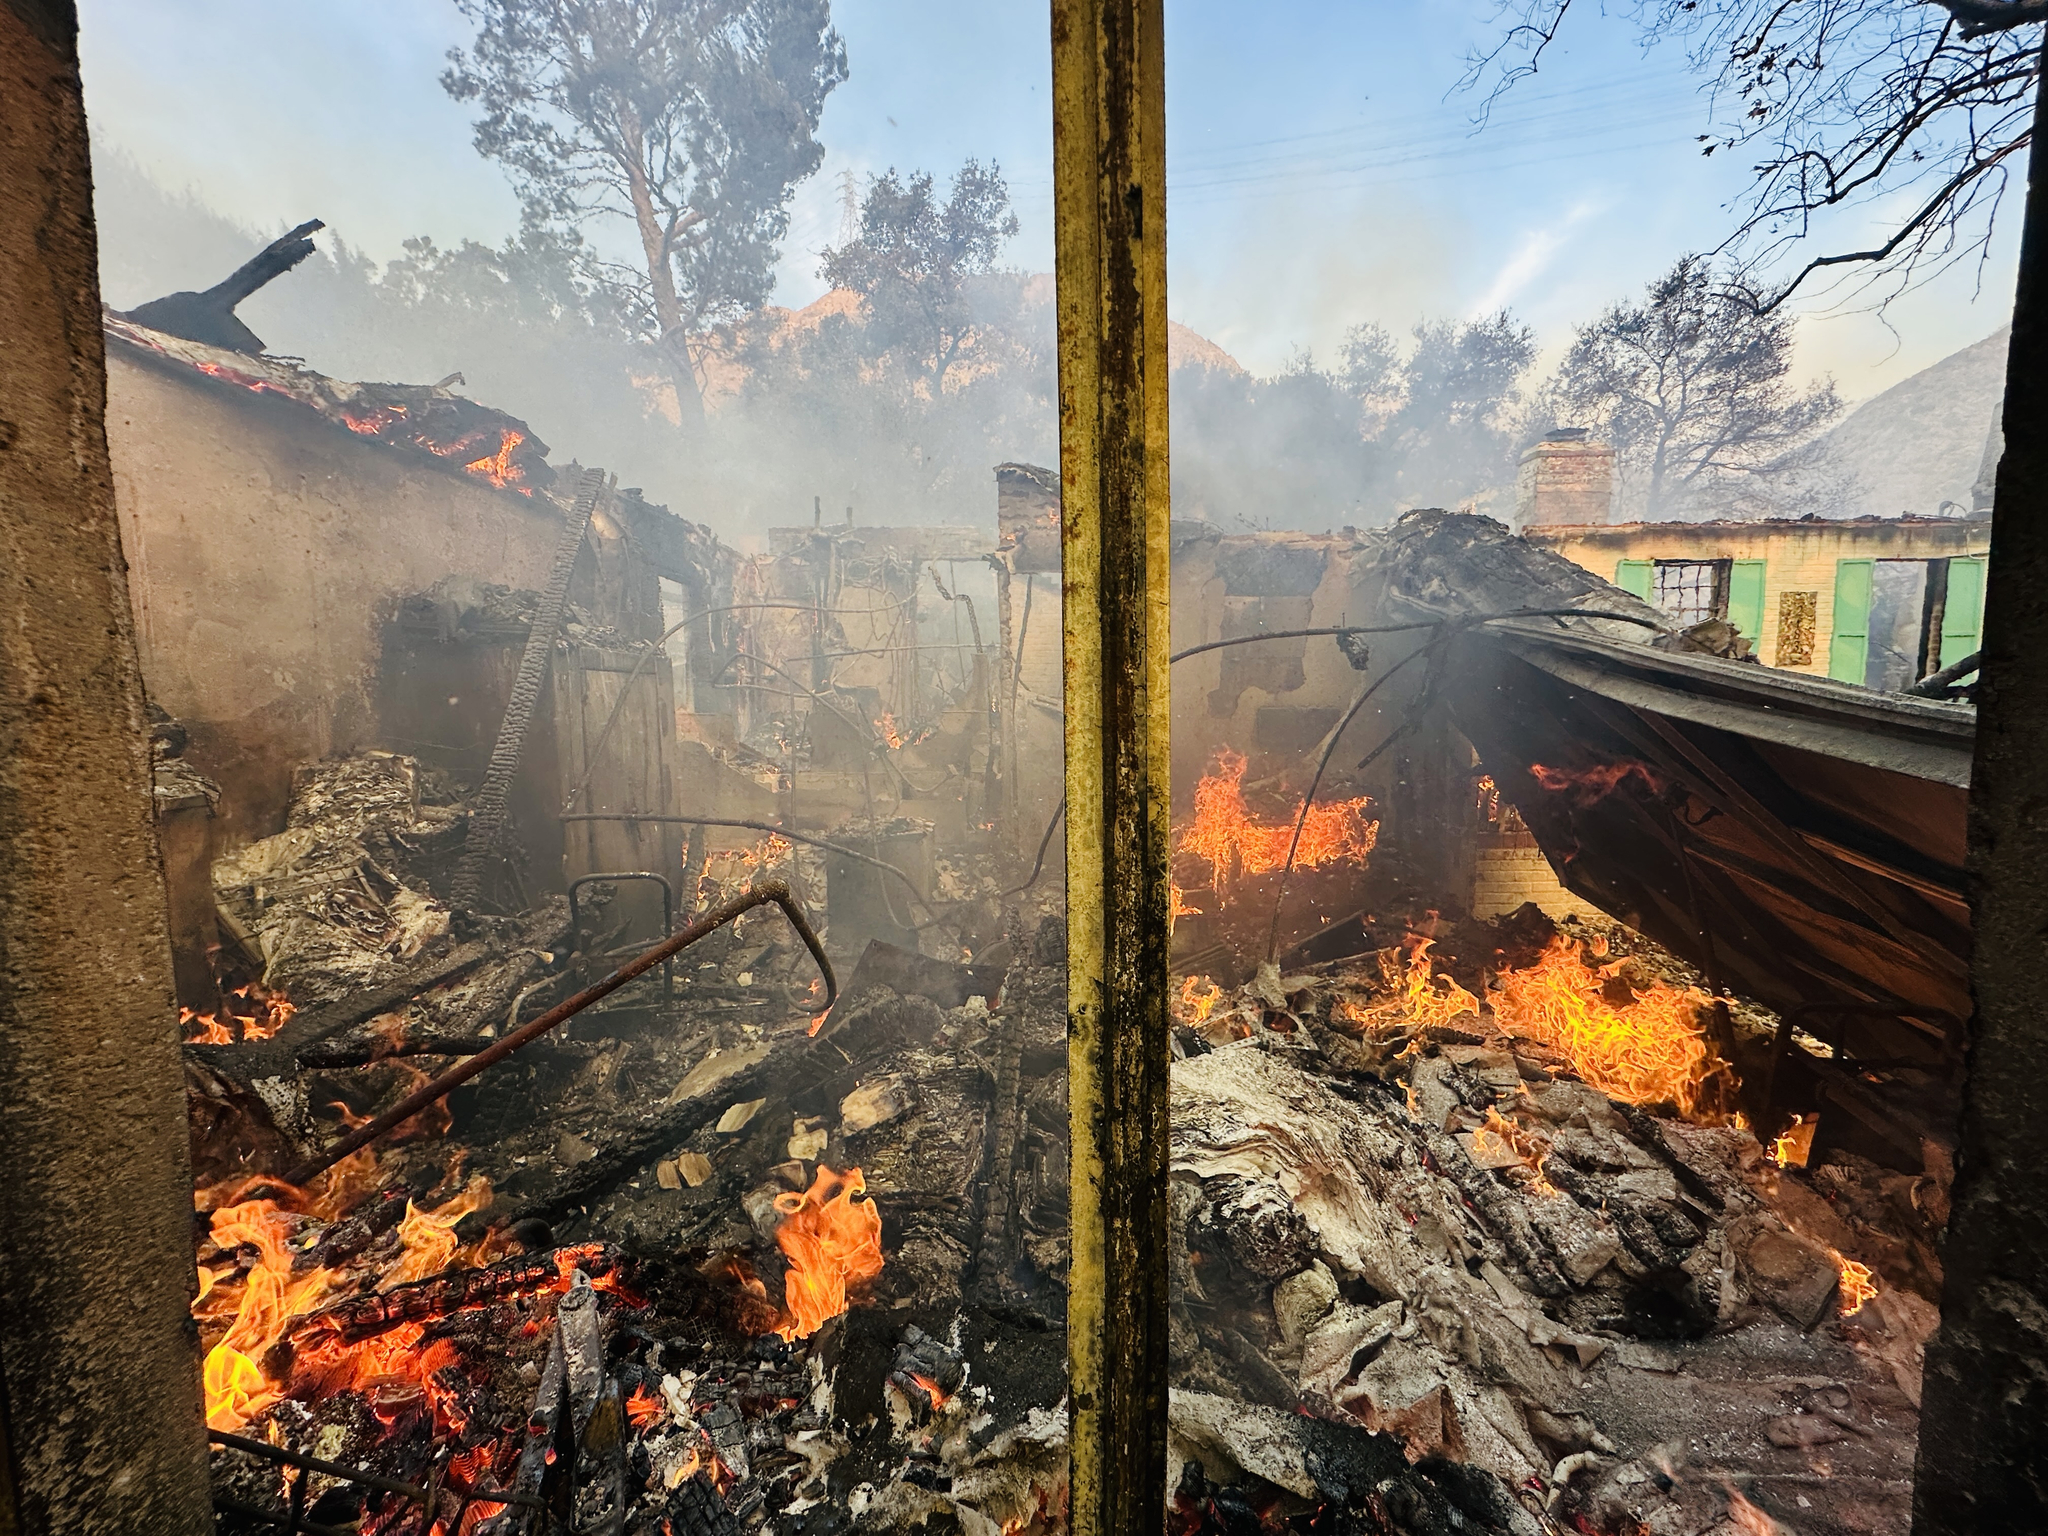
point(1503, 877)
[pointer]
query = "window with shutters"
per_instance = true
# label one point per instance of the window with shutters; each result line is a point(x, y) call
point(1897, 621)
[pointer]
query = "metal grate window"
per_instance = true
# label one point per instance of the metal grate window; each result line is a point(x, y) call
point(1692, 591)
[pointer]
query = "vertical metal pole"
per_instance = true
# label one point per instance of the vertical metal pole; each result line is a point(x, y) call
point(1983, 1462)
point(1109, 200)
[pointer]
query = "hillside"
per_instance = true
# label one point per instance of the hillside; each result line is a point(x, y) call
point(1920, 444)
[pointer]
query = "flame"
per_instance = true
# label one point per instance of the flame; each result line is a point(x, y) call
point(1590, 785)
point(498, 467)
point(831, 1241)
point(217, 1028)
point(277, 1010)
point(645, 1408)
point(935, 1394)
point(1236, 843)
point(1748, 1519)
point(429, 1236)
point(818, 1022)
point(1645, 1052)
point(1857, 1285)
point(887, 726)
point(1791, 1147)
point(1417, 1000)
point(236, 1388)
point(1196, 1004)
point(212, 1032)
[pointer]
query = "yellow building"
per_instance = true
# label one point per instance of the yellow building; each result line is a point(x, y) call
point(1881, 601)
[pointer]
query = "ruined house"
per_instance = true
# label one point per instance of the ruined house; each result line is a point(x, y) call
point(554, 1171)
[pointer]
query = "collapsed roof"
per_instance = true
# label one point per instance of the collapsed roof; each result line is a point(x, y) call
point(1798, 839)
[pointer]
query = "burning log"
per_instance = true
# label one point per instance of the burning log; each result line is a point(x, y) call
point(364, 1317)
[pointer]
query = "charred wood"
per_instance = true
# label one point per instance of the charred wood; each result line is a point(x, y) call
point(209, 317)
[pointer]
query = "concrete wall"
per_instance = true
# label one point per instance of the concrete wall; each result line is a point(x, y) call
point(1797, 556)
point(267, 549)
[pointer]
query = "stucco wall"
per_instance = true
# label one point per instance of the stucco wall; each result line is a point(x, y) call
point(266, 549)
point(1797, 556)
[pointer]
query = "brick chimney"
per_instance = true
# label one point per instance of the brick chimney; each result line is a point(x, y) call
point(1566, 479)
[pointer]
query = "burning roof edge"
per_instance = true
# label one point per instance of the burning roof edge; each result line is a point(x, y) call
point(427, 420)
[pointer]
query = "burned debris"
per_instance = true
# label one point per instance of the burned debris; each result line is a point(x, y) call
point(625, 1001)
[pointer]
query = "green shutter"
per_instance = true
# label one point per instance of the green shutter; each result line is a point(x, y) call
point(1962, 617)
point(1635, 577)
point(1849, 640)
point(1746, 599)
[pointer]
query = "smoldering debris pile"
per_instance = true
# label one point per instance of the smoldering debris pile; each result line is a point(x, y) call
point(1407, 1206)
point(340, 900)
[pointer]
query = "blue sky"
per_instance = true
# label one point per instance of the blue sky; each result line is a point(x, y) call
point(1323, 168)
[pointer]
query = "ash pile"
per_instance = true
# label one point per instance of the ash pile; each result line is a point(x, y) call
point(1489, 1191)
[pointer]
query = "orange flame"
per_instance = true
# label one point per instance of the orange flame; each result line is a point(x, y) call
point(212, 1031)
point(1588, 786)
point(645, 1408)
point(498, 467)
point(936, 1394)
point(236, 1388)
point(1196, 1004)
point(1420, 999)
point(1791, 1147)
point(887, 726)
point(1857, 1285)
point(393, 1367)
point(1644, 1052)
point(1236, 843)
point(831, 1241)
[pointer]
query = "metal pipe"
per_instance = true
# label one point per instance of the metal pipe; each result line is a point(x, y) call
point(776, 891)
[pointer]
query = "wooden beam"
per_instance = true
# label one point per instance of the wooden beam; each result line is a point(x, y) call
point(1109, 201)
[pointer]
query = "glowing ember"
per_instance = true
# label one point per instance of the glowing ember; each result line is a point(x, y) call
point(935, 1394)
point(887, 726)
point(1237, 843)
point(818, 1022)
point(1856, 1286)
point(1794, 1145)
point(831, 1241)
point(1644, 1052)
point(1588, 786)
point(645, 1408)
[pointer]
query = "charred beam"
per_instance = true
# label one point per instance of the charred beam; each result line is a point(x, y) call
point(209, 317)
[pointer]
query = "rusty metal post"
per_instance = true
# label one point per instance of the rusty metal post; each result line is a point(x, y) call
point(100, 1420)
point(1109, 202)
point(1983, 1462)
